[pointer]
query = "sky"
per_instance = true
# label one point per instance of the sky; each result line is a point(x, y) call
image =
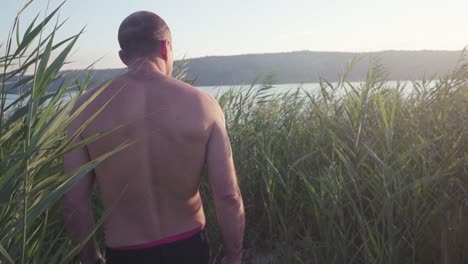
point(216, 27)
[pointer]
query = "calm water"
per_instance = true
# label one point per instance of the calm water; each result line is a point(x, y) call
point(276, 89)
point(218, 90)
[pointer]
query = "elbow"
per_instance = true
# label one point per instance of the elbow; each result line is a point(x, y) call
point(233, 200)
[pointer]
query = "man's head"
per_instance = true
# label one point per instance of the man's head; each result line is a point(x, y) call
point(145, 35)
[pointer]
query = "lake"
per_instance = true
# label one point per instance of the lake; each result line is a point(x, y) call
point(276, 89)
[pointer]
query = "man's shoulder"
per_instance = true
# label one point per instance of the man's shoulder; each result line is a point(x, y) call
point(192, 92)
point(93, 98)
point(94, 91)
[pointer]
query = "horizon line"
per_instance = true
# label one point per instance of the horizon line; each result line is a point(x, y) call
point(296, 51)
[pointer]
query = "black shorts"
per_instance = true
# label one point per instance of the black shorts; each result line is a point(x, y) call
point(195, 249)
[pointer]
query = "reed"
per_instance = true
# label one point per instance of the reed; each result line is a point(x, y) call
point(33, 142)
point(368, 173)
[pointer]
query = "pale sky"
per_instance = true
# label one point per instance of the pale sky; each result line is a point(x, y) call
point(215, 27)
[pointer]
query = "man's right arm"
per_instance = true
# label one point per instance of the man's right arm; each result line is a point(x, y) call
point(226, 193)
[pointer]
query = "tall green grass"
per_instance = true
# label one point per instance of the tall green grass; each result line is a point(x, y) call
point(368, 173)
point(33, 142)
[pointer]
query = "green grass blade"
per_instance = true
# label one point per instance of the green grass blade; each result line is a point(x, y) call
point(6, 255)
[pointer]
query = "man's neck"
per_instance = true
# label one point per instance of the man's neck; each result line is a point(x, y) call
point(144, 68)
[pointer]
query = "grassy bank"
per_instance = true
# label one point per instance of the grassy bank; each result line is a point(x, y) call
point(374, 173)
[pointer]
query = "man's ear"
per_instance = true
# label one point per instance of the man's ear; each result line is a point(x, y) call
point(165, 47)
point(122, 57)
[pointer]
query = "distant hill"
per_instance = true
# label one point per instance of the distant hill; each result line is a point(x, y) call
point(309, 66)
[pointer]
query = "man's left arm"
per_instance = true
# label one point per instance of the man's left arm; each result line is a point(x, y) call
point(79, 220)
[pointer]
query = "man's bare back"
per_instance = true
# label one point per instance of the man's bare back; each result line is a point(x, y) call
point(152, 187)
point(158, 176)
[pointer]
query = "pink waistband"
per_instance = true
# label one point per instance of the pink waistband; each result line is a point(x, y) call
point(163, 241)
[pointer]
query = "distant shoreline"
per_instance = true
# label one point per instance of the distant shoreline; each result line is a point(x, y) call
point(311, 67)
point(304, 67)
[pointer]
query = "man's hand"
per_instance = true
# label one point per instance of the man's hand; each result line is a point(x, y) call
point(95, 259)
point(98, 260)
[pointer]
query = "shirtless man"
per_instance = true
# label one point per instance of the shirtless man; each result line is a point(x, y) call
point(152, 187)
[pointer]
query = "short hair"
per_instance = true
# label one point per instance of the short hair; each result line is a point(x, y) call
point(142, 33)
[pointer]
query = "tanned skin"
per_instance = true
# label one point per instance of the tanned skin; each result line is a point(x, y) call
point(152, 187)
